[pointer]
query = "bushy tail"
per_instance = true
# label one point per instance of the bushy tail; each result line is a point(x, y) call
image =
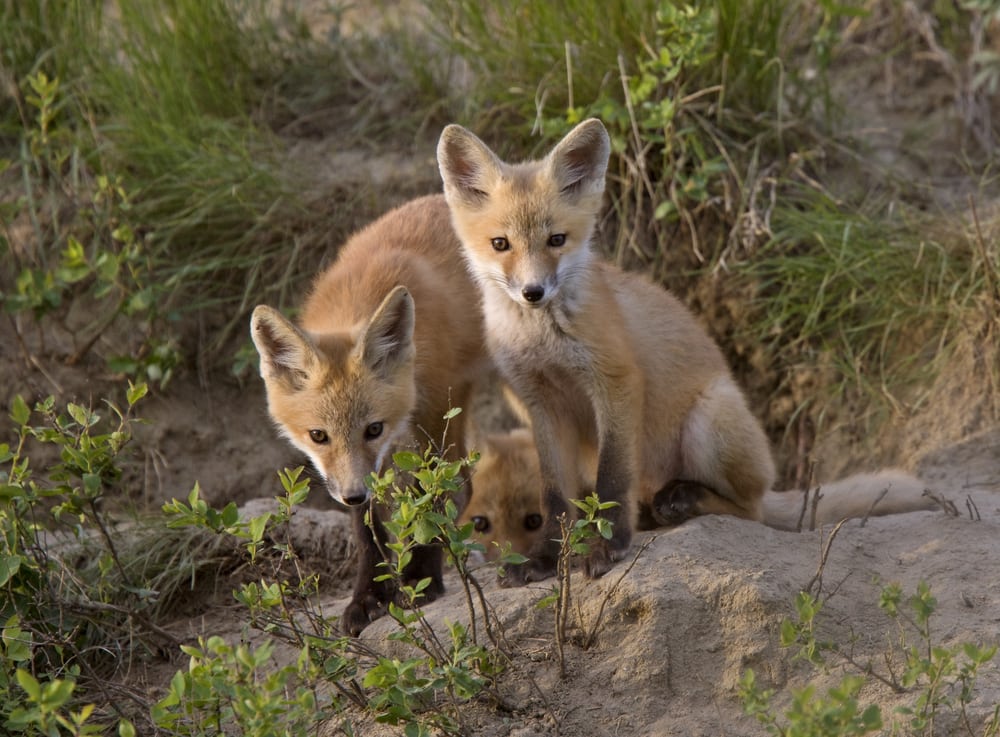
point(861, 495)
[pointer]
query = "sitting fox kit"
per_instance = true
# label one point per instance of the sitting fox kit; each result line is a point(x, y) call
point(607, 363)
point(389, 339)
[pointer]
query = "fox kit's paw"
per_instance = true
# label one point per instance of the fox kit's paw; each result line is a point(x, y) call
point(677, 502)
point(364, 609)
point(541, 564)
point(534, 569)
point(604, 554)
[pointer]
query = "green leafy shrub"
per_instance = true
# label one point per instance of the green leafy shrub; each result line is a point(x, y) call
point(60, 618)
point(941, 679)
point(422, 692)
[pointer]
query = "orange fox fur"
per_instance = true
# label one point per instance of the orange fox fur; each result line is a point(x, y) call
point(388, 340)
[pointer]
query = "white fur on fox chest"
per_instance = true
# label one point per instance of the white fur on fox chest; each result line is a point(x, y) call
point(527, 341)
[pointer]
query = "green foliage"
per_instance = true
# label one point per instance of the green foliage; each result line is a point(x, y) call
point(56, 613)
point(841, 287)
point(423, 692)
point(212, 200)
point(101, 260)
point(689, 91)
point(591, 524)
point(834, 714)
point(420, 497)
point(227, 687)
point(45, 709)
point(941, 679)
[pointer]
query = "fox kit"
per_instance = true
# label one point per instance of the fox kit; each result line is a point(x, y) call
point(605, 361)
point(504, 507)
point(389, 338)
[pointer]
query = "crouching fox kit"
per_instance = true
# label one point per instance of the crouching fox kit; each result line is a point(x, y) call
point(388, 340)
point(504, 505)
point(606, 362)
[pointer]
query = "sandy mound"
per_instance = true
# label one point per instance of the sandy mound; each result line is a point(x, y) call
point(705, 601)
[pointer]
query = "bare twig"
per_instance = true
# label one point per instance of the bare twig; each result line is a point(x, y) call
point(879, 498)
point(817, 579)
point(805, 495)
point(973, 509)
point(947, 505)
point(817, 494)
point(611, 591)
point(563, 567)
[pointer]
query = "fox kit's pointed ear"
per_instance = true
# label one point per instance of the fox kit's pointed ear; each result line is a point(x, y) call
point(579, 161)
point(468, 167)
point(387, 342)
point(286, 354)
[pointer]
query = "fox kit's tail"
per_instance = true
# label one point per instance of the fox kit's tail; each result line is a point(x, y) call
point(866, 494)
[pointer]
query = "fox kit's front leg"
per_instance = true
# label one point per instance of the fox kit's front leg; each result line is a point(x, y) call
point(557, 441)
point(618, 409)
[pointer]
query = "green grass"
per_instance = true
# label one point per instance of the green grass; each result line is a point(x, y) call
point(867, 290)
point(194, 108)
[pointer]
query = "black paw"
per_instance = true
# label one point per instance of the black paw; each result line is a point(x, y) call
point(541, 564)
point(677, 502)
point(362, 611)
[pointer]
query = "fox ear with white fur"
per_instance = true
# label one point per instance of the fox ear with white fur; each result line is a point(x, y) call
point(387, 343)
point(579, 162)
point(286, 353)
point(468, 167)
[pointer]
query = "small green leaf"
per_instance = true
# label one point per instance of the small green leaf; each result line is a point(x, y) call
point(79, 414)
point(92, 484)
point(19, 411)
point(136, 392)
point(230, 515)
point(29, 684)
point(257, 525)
point(664, 209)
point(9, 566)
point(407, 460)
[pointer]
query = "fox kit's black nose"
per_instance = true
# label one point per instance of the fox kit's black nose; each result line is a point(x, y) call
point(355, 497)
point(533, 292)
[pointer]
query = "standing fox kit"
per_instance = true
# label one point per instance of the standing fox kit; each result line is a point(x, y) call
point(388, 340)
point(606, 362)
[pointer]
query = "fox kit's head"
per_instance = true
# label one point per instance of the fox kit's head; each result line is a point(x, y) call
point(525, 227)
point(342, 399)
point(504, 504)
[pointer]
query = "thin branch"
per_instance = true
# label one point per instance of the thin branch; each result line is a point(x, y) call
point(610, 592)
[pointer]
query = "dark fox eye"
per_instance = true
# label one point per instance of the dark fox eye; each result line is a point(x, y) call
point(532, 521)
point(373, 431)
point(318, 436)
point(500, 244)
point(557, 239)
point(480, 524)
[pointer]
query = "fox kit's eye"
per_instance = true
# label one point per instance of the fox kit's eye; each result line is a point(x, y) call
point(481, 524)
point(532, 521)
point(318, 436)
point(373, 431)
point(500, 243)
point(557, 239)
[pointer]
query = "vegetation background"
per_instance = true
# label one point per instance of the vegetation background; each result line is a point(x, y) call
point(816, 179)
